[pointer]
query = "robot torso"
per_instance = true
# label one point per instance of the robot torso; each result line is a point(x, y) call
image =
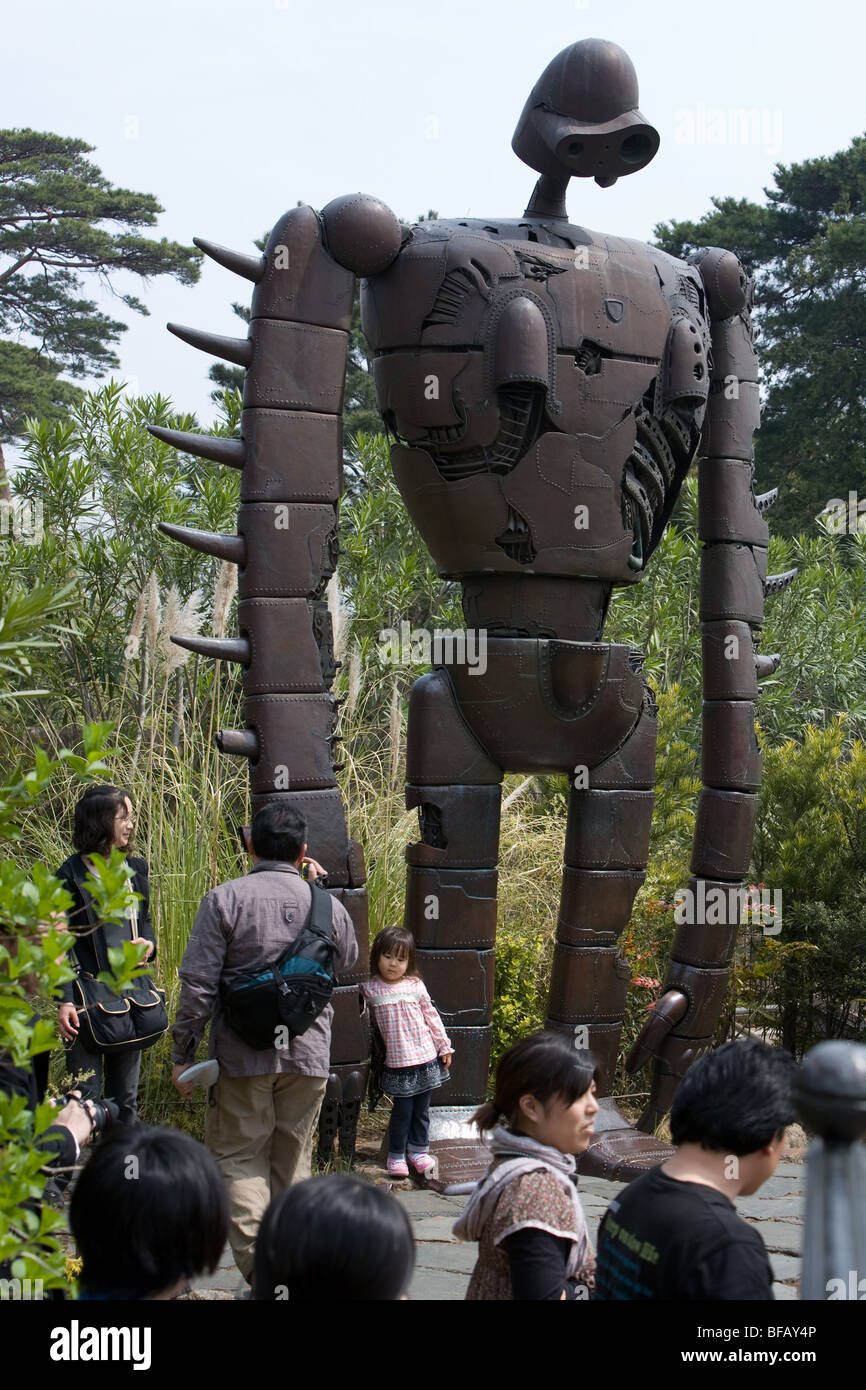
point(545, 386)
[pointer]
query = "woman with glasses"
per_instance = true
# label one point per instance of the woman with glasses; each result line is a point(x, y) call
point(103, 821)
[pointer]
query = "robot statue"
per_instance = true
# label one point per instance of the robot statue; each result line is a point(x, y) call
point(547, 389)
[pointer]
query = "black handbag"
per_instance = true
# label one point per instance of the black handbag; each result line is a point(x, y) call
point(293, 990)
point(111, 1023)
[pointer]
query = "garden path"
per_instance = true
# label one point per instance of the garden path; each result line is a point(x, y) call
point(443, 1264)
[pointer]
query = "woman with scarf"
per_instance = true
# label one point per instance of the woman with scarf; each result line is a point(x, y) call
point(103, 821)
point(525, 1213)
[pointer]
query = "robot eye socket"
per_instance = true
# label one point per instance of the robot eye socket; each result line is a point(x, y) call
point(575, 149)
point(635, 149)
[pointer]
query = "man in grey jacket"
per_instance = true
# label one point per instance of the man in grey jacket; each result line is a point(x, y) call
point(262, 1111)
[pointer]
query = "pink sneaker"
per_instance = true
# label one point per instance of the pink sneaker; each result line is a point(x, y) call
point(422, 1163)
point(397, 1168)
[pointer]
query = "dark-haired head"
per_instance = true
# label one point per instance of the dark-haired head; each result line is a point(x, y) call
point(393, 941)
point(736, 1099)
point(279, 831)
point(94, 820)
point(544, 1065)
point(148, 1211)
point(334, 1239)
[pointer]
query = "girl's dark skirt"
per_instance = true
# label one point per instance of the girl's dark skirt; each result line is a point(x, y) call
point(413, 1081)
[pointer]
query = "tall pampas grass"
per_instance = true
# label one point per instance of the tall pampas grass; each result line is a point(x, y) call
point(169, 624)
point(134, 638)
point(181, 620)
point(517, 793)
point(152, 610)
point(339, 611)
point(395, 732)
point(353, 682)
point(132, 645)
point(226, 588)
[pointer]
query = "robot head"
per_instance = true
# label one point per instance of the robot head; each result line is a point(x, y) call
point(581, 119)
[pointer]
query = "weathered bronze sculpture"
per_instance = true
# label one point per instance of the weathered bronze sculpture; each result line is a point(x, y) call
point(547, 389)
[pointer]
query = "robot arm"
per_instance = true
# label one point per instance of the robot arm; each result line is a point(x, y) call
point(733, 585)
point(290, 457)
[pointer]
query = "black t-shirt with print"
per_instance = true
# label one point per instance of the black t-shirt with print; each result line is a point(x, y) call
point(665, 1239)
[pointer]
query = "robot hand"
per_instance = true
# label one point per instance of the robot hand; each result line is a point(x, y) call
point(672, 1055)
point(650, 1041)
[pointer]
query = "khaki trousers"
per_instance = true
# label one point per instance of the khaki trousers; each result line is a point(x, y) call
point(260, 1131)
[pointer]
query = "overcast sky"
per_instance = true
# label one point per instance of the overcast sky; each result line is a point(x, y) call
point(229, 111)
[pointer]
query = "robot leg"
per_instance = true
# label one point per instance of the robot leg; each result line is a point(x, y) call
point(606, 850)
point(451, 904)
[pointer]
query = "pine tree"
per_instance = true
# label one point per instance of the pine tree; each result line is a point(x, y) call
point(807, 249)
point(60, 219)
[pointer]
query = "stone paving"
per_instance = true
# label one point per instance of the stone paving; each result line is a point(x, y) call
point(443, 1264)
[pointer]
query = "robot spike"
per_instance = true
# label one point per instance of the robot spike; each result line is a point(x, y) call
point(242, 742)
point(251, 267)
point(237, 350)
point(233, 548)
point(206, 446)
point(775, 583)
point(765, 500)
point(766, 665)
point(220, 648)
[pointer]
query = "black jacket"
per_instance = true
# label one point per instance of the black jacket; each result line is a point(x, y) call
point(90, 951)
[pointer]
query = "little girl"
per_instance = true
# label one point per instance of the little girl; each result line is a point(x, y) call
point(525, 1213)
point(417, 1049)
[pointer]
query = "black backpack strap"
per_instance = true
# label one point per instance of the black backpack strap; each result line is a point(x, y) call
point(321, 918)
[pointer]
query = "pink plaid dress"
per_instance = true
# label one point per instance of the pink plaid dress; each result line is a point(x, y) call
point(412, 1032)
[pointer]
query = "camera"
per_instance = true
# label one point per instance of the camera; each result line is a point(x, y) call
point(105, 1112)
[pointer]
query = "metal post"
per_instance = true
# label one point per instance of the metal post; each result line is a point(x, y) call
point(831, 1098)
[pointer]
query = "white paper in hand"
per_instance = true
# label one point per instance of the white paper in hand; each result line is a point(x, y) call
point(202, 1073)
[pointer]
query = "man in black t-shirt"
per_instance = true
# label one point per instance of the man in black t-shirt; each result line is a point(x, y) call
point(674, 1233)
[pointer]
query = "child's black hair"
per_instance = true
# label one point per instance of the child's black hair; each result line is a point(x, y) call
point(545, 1065)
point(331, 1240)
point(396, 941)
point(148, 1210)
point(735, 1099)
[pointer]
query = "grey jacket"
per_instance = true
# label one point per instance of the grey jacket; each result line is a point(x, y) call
point(242, 926)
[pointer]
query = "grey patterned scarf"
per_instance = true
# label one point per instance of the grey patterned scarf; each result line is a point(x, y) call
point(514, 1155)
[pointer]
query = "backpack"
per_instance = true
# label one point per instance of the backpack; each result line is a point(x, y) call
point(293, 990)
